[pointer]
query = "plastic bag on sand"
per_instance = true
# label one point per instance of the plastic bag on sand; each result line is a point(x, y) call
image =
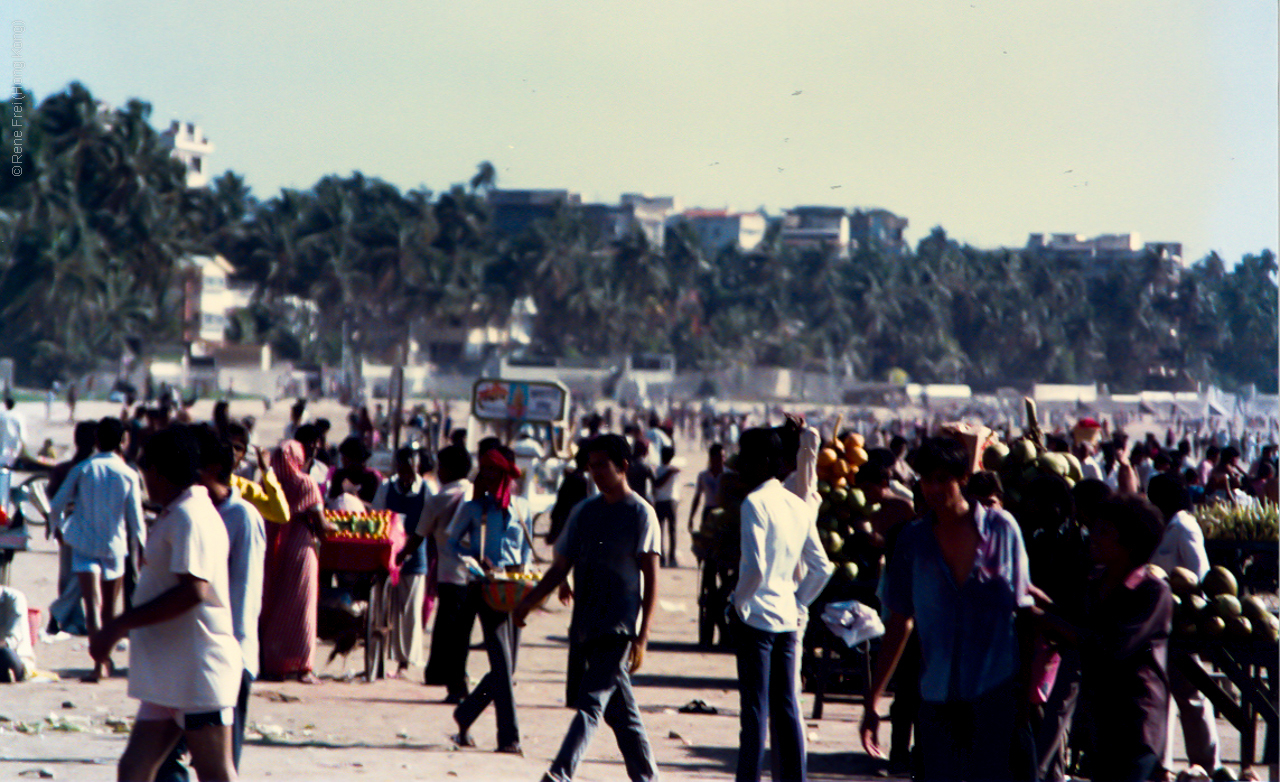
point(852, 622)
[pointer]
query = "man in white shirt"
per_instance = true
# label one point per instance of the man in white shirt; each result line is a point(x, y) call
point(779, 542)
point(247, 541)
point(184, 659)
point(106, 524)
point(1182, 545)
point(13, 434)
point(455, 604)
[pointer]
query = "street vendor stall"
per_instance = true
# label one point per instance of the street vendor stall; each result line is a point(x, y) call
point(1228, 619)
point(368, 543)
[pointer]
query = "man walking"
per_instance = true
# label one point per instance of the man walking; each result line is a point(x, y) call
point(184, 660)
point(779, 542)
point(609, 542)
point(107, 520)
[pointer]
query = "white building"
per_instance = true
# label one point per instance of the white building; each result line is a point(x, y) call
point(718, 229)
point(210, 298)
point(1106, 247)
point(187, 143)
point(817, 228)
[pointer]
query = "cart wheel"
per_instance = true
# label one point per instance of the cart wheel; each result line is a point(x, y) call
point(35, 500)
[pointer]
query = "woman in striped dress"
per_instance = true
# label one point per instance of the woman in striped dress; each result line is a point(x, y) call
point(291, 584)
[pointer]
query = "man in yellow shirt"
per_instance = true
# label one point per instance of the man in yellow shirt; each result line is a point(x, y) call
point(267, 496)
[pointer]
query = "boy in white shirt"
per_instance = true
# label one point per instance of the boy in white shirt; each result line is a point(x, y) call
point(184, 659)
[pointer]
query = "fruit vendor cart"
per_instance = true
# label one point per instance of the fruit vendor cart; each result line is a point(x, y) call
point(828, 665)
point(367, 543)
point(1229, 621)
point(1250, 667)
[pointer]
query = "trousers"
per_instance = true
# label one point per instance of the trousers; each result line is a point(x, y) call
point(767, 691)
point(501, 642)
point(604, 690)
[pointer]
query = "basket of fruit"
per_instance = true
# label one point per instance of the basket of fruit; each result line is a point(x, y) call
point(504, 591)
point(368, 525)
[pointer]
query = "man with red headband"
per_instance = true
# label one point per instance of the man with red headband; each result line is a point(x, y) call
point(496, 527)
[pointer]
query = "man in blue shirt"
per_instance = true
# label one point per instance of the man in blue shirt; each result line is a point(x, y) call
point(106, 526)
point(959, 577)
point(404, 494)
point(496, 527)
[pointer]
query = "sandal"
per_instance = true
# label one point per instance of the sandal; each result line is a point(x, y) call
point(511, 749)
point(462, 739)
point(698, 707)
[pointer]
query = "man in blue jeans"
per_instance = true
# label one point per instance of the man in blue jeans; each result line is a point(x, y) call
point(611, 542)
point(779, 541)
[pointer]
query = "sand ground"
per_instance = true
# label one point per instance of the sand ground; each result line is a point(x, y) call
point(398, 729)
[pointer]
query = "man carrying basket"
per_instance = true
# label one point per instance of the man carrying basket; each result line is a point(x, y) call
point(496, 527)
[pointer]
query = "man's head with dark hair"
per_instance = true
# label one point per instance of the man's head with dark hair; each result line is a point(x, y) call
point(1211, 454)
point(941, 455)
point(8, 402)
point(898, 446)
point(487, 444)
point(217, 455)
point(1089, 494)
point(308, 434)
point(985, 487)
point(1229, 456)
point(1127, 532)
point(1184, 447)
point(323, 426)
point(1168, 493)
point(943, 465)
point(613, 446)
point(110, 434)
point(666, 454)
point(1162, 462)
point(353, 452)
point(85, 437)
point(759, 455)
point(426, 461)
point(878, 470)
point(237, 432)
point(458, 437)
point(608, 456)
point(406, 461)
point(455, 463)
point(172, 456)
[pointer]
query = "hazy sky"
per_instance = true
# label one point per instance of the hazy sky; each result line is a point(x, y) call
point(992, 120)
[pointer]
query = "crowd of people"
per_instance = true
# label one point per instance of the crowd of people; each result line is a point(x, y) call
point(1016, 629)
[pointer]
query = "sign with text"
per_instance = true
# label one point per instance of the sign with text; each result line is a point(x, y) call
point(519, 400)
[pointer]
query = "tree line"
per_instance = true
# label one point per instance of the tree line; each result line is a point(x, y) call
point(94, 233)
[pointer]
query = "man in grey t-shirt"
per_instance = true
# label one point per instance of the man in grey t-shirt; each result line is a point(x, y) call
point(611, 544)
